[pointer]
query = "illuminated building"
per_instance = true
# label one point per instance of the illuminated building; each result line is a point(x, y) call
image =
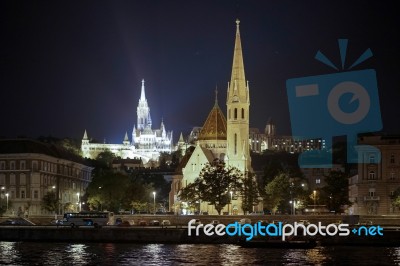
point(29, 169)
point(220, 138)
point(372, 190)
point(146, 143)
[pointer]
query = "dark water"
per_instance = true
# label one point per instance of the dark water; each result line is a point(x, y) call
point(26, 253)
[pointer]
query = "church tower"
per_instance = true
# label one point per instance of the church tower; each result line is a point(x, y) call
point(143, 111)
point(238, 105)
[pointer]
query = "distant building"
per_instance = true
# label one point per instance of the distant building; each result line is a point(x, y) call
point(371, 191)
point(29, 169)
point(259, 142)
point(127, 165)
point(146, 143)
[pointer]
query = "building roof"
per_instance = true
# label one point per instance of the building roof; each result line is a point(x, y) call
point(215, 126)
point(12, 146)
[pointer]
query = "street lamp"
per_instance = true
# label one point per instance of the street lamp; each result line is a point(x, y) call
point(154, 202)
point(79, 201)
point(7, 201)
point(231, 202)
point(315, 197)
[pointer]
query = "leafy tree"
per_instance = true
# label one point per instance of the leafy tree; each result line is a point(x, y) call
point(276, 192)
point(213, 185)
point(396, 198)
point(335, 193)
point(50, 202)
point(250, 195)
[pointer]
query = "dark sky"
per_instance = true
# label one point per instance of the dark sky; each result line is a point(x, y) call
point(67, 66)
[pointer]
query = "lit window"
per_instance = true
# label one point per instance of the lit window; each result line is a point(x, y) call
point(371, 175)
point(372, 159)
point(317, 181)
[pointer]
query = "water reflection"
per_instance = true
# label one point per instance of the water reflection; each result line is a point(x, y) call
point(25, 253)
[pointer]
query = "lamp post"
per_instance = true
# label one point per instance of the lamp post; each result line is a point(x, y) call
point(7, 202)
point(79, 202)
point(315, 198)
point(231, 202)
point(154, 202)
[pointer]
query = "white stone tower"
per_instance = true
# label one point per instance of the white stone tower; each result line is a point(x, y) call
point(143, 111)
point(238, 105)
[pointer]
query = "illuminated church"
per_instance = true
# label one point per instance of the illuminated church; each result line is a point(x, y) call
point(222, 138)
point(146, 143)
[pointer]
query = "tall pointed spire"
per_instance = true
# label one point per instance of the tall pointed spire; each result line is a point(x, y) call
point(216, 96)
point(85, 137)
point(238, 79)
point(126, 137)
point(238, 108)
point(142, 94)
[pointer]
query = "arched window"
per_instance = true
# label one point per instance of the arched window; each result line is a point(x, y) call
point(235, 143)
point(235, 114)
point(242, 113)
point(371, 175)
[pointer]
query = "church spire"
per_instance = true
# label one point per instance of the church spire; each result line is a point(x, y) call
point(238, 107)
point(216, 96)
point(142, 94)
point(238, 86)
point(85, 137)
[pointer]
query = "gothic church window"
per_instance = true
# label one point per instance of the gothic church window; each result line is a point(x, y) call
point(235, 114)
point(242, 113)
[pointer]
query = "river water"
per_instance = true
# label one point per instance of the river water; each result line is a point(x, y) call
point(31, 253)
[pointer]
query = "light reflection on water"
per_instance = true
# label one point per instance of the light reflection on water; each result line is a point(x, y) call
point(26, 253)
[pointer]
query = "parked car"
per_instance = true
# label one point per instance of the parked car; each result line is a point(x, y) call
point(165, 222)
point(57, 222)
point(154, 222)
point(124, 224)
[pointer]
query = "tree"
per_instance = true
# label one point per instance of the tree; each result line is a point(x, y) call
point(276, 191)
point(335, 193)
point(214, 184)
point(250, 195)
point(396, 198)
point(50, 202)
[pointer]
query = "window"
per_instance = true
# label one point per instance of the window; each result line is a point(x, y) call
point(242, 113)
point(2, 165)
point(372, 159)
point(392, 175)
point(22, 165)
point(22, 179)
point(371, 175)
point(371, 192)
point(12, 179)
point(317, 181)
point(235, 143)
point(392, 160)
point(34, 166)
point(229, 114)
point(35, 194)
point(235, 114)
point(12, 165)
point(22, 194)
point(391, 193)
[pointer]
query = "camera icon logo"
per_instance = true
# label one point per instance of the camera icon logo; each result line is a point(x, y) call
point(325, 106)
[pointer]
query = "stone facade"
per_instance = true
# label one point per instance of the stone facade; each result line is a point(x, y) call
point(372, 189)
point(29, 169)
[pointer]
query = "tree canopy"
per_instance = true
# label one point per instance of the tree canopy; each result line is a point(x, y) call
point(214, 185)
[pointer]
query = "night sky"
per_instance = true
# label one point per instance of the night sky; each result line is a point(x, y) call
point(67, 66)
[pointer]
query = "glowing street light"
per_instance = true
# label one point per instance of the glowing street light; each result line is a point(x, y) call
point(315, 198)
point(154, 202)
